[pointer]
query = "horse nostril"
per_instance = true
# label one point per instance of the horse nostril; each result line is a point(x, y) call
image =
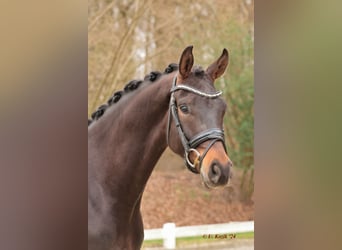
point(215, 169)
point(219, 174)
point(214, 173)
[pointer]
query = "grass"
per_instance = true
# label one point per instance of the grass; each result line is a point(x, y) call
point(199, 239)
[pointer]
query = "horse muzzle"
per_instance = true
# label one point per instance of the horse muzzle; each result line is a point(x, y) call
point(216, 166)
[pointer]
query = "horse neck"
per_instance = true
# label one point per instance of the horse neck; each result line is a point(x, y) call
point(135, 138)
point(144, 120)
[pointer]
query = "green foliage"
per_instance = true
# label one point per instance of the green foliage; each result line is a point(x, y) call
point(239, 93)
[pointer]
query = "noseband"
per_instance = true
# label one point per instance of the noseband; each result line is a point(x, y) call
point(190, 145)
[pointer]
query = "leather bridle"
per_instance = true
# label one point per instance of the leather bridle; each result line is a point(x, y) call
point(190, 145)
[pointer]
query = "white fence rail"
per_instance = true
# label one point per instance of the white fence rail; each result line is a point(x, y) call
point(170, 232)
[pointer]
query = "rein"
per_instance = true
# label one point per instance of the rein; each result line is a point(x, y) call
point(190, 145)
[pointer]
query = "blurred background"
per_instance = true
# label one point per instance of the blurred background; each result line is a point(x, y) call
point(128, 39)
point(43, 104)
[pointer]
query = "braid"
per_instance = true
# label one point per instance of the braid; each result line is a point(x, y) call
point(99, 112)
point(153, 76)
point(115, 98)
point(130, 86)
point(172, 67)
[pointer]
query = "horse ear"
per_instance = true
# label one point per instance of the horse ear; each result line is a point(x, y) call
point(216, 69)
point(186, 61)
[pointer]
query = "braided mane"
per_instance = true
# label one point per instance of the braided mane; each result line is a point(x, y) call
point(130, 86)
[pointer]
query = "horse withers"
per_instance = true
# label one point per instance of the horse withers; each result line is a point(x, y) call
point(179, 108)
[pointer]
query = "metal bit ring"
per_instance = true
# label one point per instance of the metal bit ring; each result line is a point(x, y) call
point(198, 155)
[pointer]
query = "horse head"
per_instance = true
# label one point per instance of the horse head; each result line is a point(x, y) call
point(195, 127)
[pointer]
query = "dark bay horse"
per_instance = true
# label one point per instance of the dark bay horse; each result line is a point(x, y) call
point(179, 108)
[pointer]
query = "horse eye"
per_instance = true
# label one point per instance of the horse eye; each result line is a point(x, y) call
point(184, 108)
